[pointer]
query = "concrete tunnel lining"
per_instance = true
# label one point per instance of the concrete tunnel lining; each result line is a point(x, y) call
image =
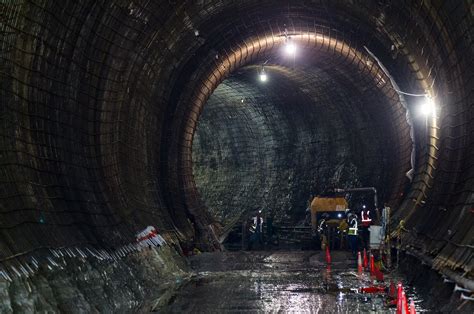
point(95, 135)
point(131, 146)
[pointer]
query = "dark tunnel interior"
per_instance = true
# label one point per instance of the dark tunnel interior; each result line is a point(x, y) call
point(288, 139)
point(118, 115)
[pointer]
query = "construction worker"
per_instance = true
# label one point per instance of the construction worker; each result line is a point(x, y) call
point(322, 230)
point(366, 221)
point(352, 234)
point(342, 231)
point(322, 223)
point(256, 229)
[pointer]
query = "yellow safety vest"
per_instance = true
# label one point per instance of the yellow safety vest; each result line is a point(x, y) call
point(353, 230)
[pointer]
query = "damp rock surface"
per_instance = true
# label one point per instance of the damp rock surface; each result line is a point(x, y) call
point(86, 285)
point(271, 282)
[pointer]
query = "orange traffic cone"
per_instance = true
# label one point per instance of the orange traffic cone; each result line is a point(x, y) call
point(366, 262)
point(372, 265)
point(359, 263)
point(373, 289)
point(405, 303)
point(399, 298)
point(378, 274)
point(391, 291)
point(328, 255)
point(412, 307)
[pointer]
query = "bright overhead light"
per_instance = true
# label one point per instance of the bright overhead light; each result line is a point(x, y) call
point(427, 107)
point(263, 75)
point(290, 47)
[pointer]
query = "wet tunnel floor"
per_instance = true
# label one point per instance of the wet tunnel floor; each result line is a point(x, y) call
point(294, 281)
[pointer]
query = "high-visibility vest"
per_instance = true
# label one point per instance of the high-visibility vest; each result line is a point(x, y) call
point(365, 216)
point(321, 225)
point(257, 224)
point(353, 228)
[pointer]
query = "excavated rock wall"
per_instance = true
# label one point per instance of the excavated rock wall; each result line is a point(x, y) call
point(73, 284)
point(259, 147)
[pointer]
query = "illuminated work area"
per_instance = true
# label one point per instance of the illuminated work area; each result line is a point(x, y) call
point(156, 153)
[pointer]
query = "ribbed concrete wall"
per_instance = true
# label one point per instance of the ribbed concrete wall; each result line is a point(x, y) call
point(100, 101)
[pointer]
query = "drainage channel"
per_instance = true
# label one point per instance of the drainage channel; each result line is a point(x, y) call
point(291, 281)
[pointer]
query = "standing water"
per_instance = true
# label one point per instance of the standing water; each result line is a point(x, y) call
point(291, 281)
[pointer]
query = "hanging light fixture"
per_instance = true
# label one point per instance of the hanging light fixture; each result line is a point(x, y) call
point(263, 75)
point(428, 107)
point(290, 47)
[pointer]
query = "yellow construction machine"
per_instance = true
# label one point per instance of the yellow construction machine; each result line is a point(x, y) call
point(328, 220)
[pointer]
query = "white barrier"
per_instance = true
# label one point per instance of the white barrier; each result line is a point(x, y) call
point(376, 236)
point(149, 237)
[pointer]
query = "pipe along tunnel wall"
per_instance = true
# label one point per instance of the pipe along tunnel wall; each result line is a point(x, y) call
point(100, 101)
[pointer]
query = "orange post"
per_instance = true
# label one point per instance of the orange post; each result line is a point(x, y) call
point(359, 263)
point(399, 298)
point(372, 265)
point(391, 291)
point(378, 274)
point(366, 262)
point(328, 255)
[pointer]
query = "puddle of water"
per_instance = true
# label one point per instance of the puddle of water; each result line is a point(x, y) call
point(280, 282)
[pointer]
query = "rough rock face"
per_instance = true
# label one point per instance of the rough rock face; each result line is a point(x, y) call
point(87, 285)
point(259, 146)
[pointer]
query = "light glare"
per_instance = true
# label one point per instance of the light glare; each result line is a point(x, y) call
point(290, 48)
point(427, 107)
point(263, 77)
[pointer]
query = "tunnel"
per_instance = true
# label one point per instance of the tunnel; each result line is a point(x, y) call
point(137, 133)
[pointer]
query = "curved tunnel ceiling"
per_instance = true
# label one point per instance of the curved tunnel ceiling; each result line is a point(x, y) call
point(100, 102)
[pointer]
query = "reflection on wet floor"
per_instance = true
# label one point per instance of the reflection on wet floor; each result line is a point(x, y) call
point(295, 282)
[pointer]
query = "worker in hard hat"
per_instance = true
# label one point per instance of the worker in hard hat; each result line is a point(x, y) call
point(342, 231)
point(366, 221)
point(256, 229)
point(322, 230)
point(352, 233)
point(257, 222)
point(322, 226)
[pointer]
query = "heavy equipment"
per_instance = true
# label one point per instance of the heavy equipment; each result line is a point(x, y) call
point(328, 220)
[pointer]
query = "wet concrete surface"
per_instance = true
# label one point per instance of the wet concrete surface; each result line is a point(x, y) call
point(270, 282)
